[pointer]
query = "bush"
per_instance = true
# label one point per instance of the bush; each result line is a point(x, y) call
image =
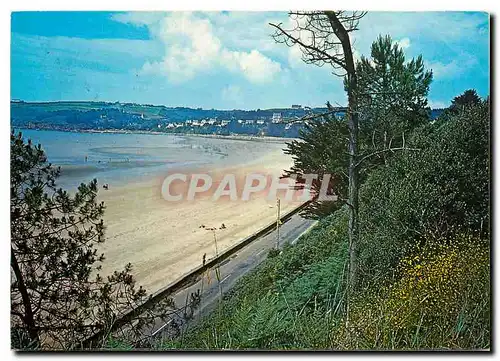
point(441, 190)
point(440, 299)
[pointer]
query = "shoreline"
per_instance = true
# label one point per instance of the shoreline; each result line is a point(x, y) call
point(242, 137)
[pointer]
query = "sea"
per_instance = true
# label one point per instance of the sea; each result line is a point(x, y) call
point(120, 158)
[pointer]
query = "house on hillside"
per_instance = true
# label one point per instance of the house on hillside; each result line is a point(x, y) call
point(277, 118)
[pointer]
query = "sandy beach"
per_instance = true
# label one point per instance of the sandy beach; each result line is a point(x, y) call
point(164, 240)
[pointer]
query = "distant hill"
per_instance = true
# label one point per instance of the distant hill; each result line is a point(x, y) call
point(82, 115)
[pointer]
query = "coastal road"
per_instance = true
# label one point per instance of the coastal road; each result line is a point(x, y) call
point(234, 267)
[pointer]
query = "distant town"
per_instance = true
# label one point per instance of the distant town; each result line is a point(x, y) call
point(104, 116)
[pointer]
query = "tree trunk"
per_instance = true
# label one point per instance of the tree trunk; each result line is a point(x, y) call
point(28, 318)
point(352, 114)
point(353, 193)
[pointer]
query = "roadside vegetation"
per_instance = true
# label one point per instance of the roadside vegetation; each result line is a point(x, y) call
point(424, 260)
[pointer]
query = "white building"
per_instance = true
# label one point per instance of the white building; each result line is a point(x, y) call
point(277, 118)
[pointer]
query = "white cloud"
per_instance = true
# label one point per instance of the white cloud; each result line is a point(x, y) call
point(246, 30)
point(295, 57)
point(253, 65)
point(403, 43)
point(441, 70)
point(192, 47)
point(453, 68)
point(138, 18)
point(438, 104)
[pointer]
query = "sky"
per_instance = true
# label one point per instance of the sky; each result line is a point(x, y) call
point(224, 60)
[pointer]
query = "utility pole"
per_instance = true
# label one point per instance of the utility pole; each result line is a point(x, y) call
point(278, 224)
point(217, 268)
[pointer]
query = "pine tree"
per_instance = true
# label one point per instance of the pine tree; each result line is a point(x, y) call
point(467, 99)
point(57, 297)
point(393, 96)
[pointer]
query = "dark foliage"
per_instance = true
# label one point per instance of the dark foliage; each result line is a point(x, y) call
point(58, 298)
point(393, 99)
point(441, 190)
point(392, 103)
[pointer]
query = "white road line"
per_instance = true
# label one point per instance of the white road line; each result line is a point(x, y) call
point(225, 278)
point(307, 230)
point(262, 250)
point(161, 328)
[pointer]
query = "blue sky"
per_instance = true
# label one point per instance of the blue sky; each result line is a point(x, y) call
point(223, 60)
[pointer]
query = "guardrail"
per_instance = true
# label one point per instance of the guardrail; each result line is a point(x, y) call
point(187, 279)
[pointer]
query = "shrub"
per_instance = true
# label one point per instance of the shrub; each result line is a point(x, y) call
point(440, 299)
point(441, 190)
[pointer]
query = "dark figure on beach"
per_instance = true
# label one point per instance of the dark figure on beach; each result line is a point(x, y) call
point(105, 186)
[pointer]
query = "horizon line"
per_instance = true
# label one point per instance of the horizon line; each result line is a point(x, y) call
point(167, 106)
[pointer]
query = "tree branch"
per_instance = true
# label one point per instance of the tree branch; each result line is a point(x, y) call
point(384, 151)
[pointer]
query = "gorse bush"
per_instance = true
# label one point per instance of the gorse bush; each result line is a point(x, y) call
point(440, 275)
point(440, 299)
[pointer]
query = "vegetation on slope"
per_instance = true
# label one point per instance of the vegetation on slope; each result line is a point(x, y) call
point(272, 306)
point(424, 255)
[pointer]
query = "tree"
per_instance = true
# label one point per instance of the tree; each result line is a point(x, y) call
point(466, 99)
point(392, 103)
point(460, 103)
point(57, 298)
point(323, 38)
point(389, 98)
point(321, 150)
point(393, 98)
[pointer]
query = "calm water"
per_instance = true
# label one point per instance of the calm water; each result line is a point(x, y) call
point(121, 158)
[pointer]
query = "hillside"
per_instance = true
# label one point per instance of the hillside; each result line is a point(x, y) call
point(280, 122)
